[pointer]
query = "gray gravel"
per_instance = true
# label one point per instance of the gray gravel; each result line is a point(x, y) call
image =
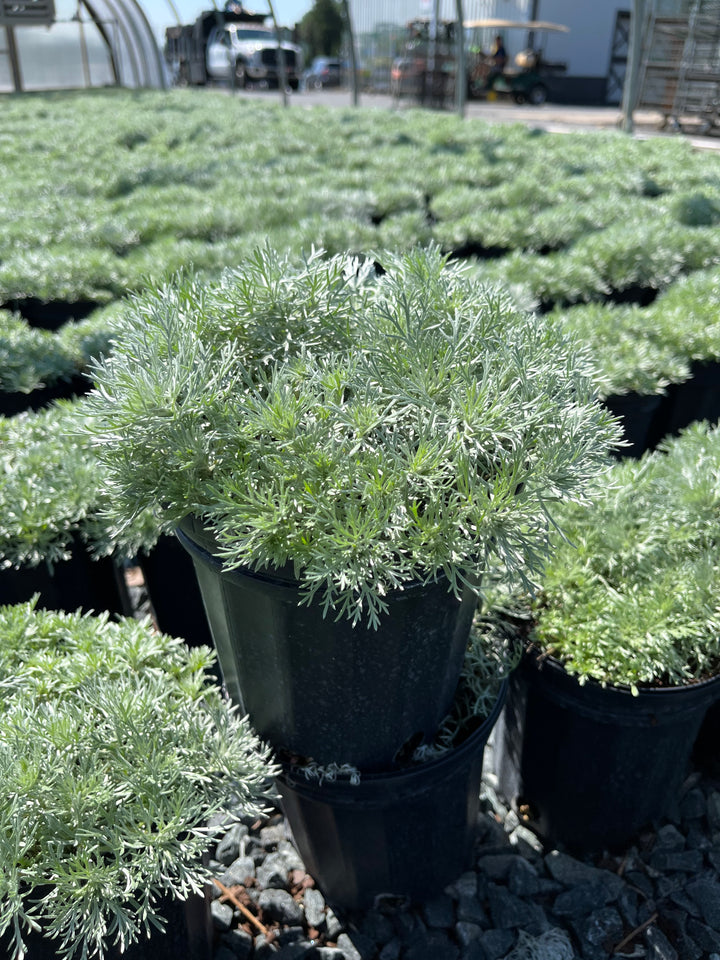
point(659, 900)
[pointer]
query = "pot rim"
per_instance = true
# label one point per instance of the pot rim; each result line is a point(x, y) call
point(534, 655)
point(283, 576)
point(293, 775)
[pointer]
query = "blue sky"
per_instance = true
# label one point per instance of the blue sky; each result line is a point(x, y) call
point(160, 13)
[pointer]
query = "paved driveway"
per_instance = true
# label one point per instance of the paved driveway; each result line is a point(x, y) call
point(557, 118)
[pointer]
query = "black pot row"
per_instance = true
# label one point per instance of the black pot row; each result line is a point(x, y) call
point(81, 582)
point(98, 584)
point(648, 419)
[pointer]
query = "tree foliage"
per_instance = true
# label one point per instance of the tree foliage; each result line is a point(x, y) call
point(321, 29)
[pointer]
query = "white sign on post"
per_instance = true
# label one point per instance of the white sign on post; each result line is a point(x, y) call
point(16, 13)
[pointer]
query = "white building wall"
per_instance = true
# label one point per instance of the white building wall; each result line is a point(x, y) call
point(586, 49)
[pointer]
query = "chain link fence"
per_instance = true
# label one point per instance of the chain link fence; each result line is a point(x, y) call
point(380, 29)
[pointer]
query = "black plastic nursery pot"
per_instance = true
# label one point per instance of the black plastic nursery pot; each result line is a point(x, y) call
point(188, 936)
point(706, 752)
point(323, 689)
point(51, 314)
point(78, 583)
point(14, 403)
point(697, 398)
point(591, 766)
point(638, 415)
point(174, 592)
point(407, 833)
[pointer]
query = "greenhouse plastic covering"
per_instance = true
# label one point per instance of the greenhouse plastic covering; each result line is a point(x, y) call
point(90, 43)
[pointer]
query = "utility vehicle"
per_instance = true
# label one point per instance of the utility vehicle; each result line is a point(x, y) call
point(525, 76)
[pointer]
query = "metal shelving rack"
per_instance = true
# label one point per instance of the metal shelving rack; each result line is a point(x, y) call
point(680, 67)
point(698, 88)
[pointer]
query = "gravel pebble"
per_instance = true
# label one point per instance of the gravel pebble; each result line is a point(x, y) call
point(357, 947)
point(279, 905)
point(222, 915)
point(238, 872)
point(314, 904)
point(660, 898)
point(239, 943)
point(439, 912)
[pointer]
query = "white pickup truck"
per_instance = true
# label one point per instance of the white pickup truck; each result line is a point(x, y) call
point(245, 53)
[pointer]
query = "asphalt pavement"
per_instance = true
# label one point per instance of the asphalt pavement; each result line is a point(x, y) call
point(555, 118)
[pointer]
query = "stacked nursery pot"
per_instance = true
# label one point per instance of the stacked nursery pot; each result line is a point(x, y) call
point(623, 653)
point(341, 445)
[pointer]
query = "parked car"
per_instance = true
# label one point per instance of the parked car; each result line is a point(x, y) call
point(406, 76)
point(323, 72)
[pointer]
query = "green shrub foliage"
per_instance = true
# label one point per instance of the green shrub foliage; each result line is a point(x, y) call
point(631, 594)
point(116, 750)
point(370, 429)
point(165, 184)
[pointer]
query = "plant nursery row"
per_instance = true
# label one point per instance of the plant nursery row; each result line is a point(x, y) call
point(412, 420)
point(103, 192)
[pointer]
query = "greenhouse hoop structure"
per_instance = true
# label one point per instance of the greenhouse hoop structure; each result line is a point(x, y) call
point(46, 45)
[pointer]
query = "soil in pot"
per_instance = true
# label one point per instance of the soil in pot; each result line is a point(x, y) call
point(590, 766)
point(322, 689)
point(406, 833)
